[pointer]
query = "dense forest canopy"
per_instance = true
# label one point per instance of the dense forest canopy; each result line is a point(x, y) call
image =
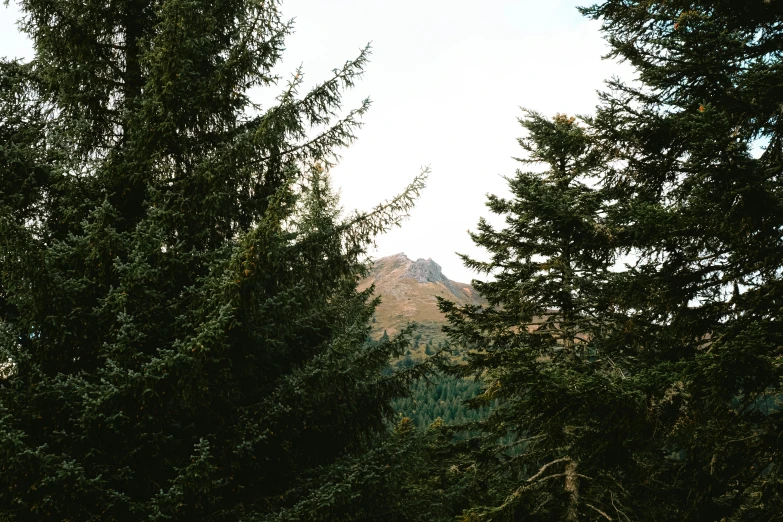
point(178, 306)
point(182, 337)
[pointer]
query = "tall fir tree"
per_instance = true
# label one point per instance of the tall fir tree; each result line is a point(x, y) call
point(671, 411)
point(698, 144)
point(534, 344)
point(181, 337)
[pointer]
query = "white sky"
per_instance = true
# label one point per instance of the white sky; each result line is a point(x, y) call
point(446, 79)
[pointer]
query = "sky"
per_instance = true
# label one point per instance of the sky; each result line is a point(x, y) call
point(446, 79)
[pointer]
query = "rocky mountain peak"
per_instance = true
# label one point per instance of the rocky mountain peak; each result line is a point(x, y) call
point(401, 267)
point(425, 271)
point(409, 292)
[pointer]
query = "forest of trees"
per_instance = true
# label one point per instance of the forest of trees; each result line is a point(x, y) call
point(443, 399)
point(182, 338)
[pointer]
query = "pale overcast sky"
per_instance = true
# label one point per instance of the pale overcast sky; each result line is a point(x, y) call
point(446, 79)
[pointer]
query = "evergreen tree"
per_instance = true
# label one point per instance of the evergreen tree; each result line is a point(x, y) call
point(698, 141)
point(534, 341)
point(666, 408)
point(181, 337)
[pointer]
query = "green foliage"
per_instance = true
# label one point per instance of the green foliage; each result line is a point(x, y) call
point(532, 344)
point(181, 335)
point(701, 211)
point(428, 480)
point(442, 399)
point(647, 391)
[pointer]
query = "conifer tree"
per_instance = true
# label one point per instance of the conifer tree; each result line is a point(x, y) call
point(672, 413)
point(181, 337)
point(533, 344)
point(698, 140)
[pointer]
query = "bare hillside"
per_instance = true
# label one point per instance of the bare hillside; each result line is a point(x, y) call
point(408, 290)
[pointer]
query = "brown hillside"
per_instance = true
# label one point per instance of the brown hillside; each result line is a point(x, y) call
point(408, 291)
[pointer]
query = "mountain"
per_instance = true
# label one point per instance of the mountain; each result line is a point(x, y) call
point(408, 291)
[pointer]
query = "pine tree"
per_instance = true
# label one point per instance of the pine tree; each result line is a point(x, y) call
point(670, 408)
point(181, 337)
point(698, 143)
point(534, 344)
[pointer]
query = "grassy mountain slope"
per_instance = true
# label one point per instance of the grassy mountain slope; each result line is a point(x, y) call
point(408, 291)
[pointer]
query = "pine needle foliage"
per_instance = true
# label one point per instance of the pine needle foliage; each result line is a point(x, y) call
point(698, 140)
point(533, 343)
point(667, 404)
point(181, 337)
